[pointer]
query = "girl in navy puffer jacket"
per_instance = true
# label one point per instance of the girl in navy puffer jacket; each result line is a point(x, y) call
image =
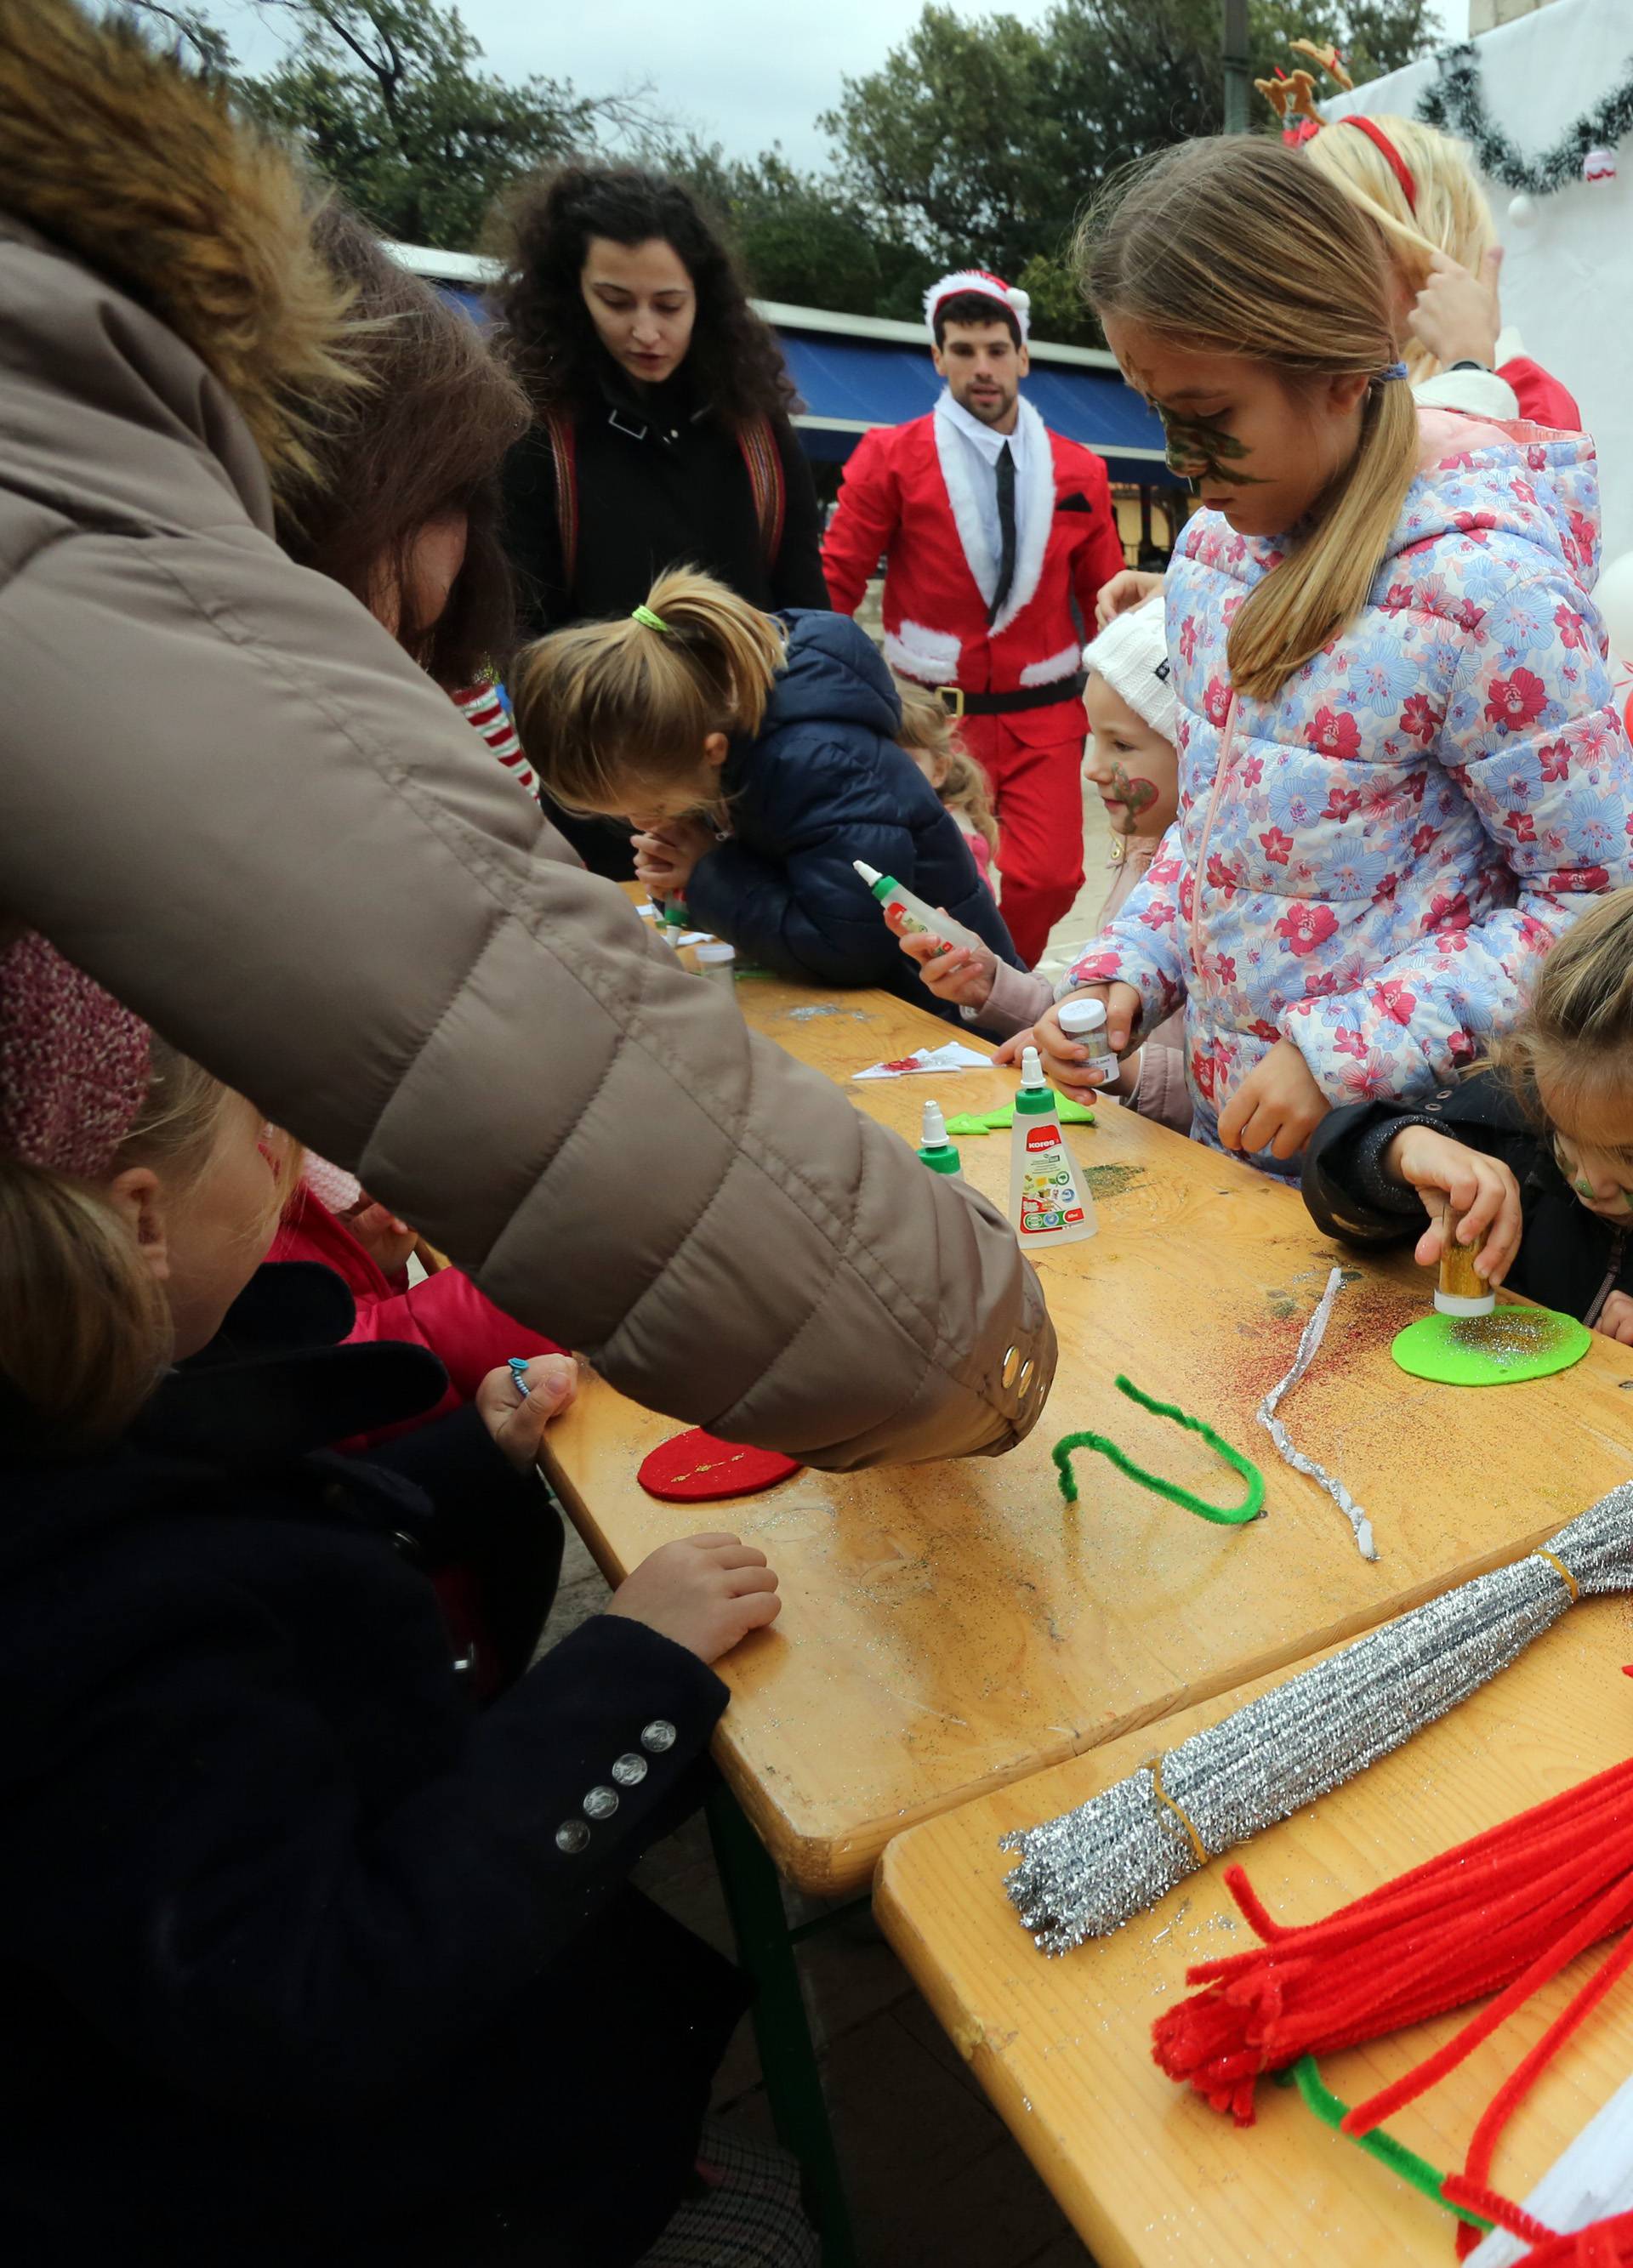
point(755, 759)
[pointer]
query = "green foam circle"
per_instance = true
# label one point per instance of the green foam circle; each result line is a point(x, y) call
point(1501, 1349)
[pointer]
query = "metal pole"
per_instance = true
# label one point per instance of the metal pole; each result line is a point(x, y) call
point(1238, 65)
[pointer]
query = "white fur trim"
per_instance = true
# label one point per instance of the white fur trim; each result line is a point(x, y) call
point(1478, 393)
point(990, 287)
point(1034, 514)
point(956, 462)
point(1064, 664)
point(932, 656)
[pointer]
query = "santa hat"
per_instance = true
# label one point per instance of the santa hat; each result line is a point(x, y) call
point(1009, 297)
point(1131, 653)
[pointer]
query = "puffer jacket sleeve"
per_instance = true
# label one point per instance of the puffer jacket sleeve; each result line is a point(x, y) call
point(1143, 945)
point(307, 875)
point(1530, 735)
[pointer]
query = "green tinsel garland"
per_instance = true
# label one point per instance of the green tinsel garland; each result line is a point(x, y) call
point(1457, 106)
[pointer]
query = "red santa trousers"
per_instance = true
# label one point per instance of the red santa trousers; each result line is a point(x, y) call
point(1037, 794)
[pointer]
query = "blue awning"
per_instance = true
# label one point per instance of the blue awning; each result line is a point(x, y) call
point(850, 384)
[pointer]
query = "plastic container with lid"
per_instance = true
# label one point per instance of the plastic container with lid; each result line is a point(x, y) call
point(938, 1153)
point(718, 962)
point(1084, 1020)
point(1049, 1201)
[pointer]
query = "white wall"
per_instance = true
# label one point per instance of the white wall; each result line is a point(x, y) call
point(1568, 279)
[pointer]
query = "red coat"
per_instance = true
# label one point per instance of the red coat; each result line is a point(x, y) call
point(1542, 399)
point(908, 493)
point(467, 1333)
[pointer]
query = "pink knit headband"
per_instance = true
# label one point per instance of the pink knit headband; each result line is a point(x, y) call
point(73, 1063)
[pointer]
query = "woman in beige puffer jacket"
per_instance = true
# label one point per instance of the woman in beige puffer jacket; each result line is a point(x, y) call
point(228, 795)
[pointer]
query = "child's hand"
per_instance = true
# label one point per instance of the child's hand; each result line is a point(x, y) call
point(1616, 1318)
point(1482, 1189)
point(517, 1420)
point(1063, 1058)
point(962, 973)
point(665, 858)
point(1277, 1107)
point(386, 1240)
point(1131, 588)
point(1015, 1046)
point(1457, 315)
point(706, 1592)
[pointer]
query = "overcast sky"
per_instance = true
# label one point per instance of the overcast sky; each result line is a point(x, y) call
point(742, 72)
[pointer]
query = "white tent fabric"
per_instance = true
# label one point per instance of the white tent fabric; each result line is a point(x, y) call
point(1567, 278)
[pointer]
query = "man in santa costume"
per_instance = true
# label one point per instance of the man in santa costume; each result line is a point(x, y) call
point(992, 526)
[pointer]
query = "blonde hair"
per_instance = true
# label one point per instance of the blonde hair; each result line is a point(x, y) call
point(1575, 1034)
point(608, 705)
point(1236, 245)
point(84, 1326)
point(927, 730)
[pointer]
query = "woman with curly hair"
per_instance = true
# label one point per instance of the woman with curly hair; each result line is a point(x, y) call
point(660, 430)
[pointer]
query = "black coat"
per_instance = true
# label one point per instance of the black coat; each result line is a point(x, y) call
point(297, 1962)
point(661, 483)
point(1569, 1258)
point(822, 784)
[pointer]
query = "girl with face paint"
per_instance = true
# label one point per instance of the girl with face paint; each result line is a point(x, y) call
point(1535, 1150)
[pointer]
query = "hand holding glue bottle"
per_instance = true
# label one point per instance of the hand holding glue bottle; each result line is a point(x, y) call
point(905, 913)
point(1049, 1200)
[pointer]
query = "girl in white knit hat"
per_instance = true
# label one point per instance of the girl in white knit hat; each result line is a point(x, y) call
point(1131, 763)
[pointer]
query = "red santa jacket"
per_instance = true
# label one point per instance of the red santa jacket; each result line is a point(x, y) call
point(909, 492)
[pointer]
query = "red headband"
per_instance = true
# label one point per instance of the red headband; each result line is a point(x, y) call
point(1390, 156)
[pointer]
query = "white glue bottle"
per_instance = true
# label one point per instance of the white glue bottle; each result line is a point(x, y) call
point(907, 914)
point(1085, 1021)
point(938, 1153)
point(1049, 1202)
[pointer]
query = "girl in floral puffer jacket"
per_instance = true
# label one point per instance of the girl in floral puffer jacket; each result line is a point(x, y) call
point(1401, 775)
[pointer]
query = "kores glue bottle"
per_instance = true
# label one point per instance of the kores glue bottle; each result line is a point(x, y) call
point(1049, 1202)
point(906, 912)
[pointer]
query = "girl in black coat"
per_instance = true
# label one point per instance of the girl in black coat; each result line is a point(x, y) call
point(781, 735)
point(660, 408)
point(1535, 1155)
point(304, 1958)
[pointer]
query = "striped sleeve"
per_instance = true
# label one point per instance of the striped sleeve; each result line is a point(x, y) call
point(486, 714)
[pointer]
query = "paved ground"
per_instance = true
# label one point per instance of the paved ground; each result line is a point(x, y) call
point(935, 2179)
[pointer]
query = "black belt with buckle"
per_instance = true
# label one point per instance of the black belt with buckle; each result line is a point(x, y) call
point(958, 703)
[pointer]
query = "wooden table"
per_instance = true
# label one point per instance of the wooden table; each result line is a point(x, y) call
point(950, 1627)
point(1147, 2172)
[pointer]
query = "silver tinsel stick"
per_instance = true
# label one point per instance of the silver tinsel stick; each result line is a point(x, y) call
point(1314, 1332)
point(1093, 1869)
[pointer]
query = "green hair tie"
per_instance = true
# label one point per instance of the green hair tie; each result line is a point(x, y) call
point(1224, 1515)
point(648, 621)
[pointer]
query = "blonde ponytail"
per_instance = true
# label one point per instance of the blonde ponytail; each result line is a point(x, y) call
point(1236, 246)
point(605, 708)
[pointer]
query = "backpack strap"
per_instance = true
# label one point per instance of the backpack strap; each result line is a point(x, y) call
point(758, 440)
point(564, 468)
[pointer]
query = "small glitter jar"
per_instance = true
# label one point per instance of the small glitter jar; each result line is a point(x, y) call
point(1462, 1290)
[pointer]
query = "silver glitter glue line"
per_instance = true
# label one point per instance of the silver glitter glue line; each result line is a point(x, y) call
point(1314, 1332)
point(1089, 1871)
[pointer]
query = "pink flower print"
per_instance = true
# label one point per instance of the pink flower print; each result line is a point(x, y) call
point(1232, 607)
point(1447, 913)
point(1252, 771)
point(1581, 878)
point(1159, 915)
point(1450, 941)
point(1349, 1042)
point(1216, 701)
point(1418, 719)
point(1534, 933)
point(1384, 894)
point(1221, 877)
point(1522, 492)
point(1187, 897)
point(1261, 1029)
point(1397, 598)
point(1476, 526)
point(1224, 969)
point(1368, 1079)
point(1520, 825)
point(1187, 639)
point(1423, 838)
point(1554, 761)
point(1416, 782)
point(1516, 700)
point(1461, 774)
point(1206, 1065)
point(1334, 734)
point(1585, 532)
point(1097, 968)
point(1342, 803)
point(1319, 983)
point(1571, 628)
point(1394, 999)
point(1304, 928)
point(1460, 1047)
point(1162, 871)
point(1468, 615)
point(1277, 846)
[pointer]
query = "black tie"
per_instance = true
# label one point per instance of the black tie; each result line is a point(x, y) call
point(1006, 531)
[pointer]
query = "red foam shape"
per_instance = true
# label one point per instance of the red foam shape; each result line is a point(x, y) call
point(695, 1468)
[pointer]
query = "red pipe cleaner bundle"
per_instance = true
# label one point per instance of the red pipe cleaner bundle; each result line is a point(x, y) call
point(1501, 1914)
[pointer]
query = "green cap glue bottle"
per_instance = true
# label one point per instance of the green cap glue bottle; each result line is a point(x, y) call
point(1049, 1201)
point(938, 1153)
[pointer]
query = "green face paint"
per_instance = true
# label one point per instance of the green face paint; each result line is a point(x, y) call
point(1135, 795)
point(1197, 446)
